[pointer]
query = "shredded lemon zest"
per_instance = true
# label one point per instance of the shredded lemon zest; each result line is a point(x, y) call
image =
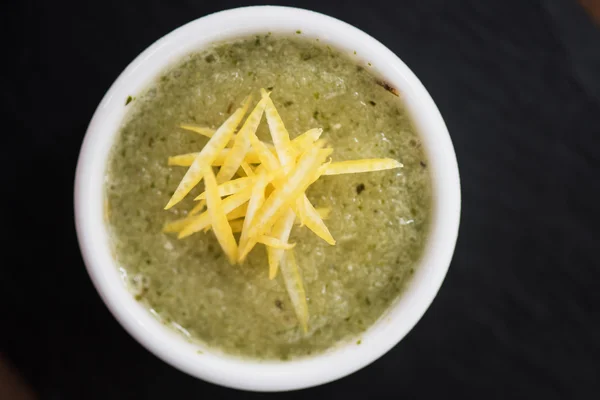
point(299, 208)
point(208, 154)
point(198, 207)
point(267, 158)
point(281, 230)
point(304, 141)
point(229, 187)
point(218, 215)
point(185, 160)
point(275, 243)
point(314, 222)
point(239, 212)
point(295, 287)
point(269, 198)
point(176, 226)
point(357, 166)
point(323, 212)
point(256, 201)
point(297, 182)
point(199, 222)
point(280, 135)
point(202, 130)
point(241, 145)
point(236, 225)
point(247, 169)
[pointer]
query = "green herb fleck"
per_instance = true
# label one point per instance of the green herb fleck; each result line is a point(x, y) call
point(129, 100)
point(354, 52)
point(257, 41)
point(298, 31)
point(358, 342)
point(199, 352)
point(316, 115)
point(306, 56)
point(316, 95)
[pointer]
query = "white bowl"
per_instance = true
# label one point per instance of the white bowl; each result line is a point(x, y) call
point(228, 370)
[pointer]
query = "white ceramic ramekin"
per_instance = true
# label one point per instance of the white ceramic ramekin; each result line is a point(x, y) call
point(253, 374)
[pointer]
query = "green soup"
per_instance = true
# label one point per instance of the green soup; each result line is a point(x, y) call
point(379, 219)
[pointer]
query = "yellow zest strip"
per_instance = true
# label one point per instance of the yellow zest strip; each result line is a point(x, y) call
point(176, 226)
point(236, 225)
point(242, 143)
point(297, 182)
point(299, 208)
point(304, 141)
point(281, 230)
point(256, 201)
point(199, 222)
point(218, 216)
point(239, 212)
point(182, 160)
point(281, 138)
point(208, 154)
point(202, 130)
point(324, 212)
point(275, 243)
point(267, 158)
point(185, 160)
point(313, 221)
point(247, 169)
point(198, 207)
point(356, 166)
point(295, 287)
point(237, 222)
point(229, 187)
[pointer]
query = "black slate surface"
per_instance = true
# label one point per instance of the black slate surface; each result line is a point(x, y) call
point(518, 83)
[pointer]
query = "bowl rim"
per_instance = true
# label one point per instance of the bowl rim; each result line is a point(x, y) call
point(228, 370)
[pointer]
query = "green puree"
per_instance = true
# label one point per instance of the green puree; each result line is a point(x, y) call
point(379, 219)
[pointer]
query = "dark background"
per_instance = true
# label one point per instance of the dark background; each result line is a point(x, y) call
point(518, 83)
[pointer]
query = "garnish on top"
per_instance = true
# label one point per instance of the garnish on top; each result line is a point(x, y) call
point(259, 190)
